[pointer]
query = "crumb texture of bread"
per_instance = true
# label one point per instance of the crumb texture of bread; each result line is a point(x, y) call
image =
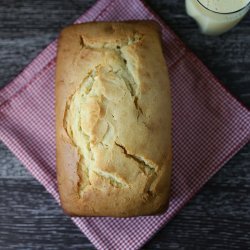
point(113, 120)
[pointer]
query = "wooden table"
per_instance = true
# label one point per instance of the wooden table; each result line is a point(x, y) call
point(217, 218)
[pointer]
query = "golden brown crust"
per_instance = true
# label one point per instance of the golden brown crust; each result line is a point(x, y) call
point(113, 120)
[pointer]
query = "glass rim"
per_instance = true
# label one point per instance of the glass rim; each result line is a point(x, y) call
point(225, 13)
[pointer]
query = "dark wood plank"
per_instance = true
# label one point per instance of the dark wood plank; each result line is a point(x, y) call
point(217, 218)
point(32, 219)
point(27, 27)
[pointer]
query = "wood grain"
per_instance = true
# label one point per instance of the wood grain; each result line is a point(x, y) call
point(217, 218)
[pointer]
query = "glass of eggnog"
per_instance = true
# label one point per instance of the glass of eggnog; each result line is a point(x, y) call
point(217, 16)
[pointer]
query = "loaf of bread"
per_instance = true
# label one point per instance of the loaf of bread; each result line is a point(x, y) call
point(113, 120)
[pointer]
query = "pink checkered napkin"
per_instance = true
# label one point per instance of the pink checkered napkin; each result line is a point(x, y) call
point(209, 127)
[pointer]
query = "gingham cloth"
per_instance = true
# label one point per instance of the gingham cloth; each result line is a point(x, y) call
point(209, 127)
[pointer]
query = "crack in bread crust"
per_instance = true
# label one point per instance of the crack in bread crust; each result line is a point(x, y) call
point(84, 117)
point(146, 167)
point(112, 180)
point(132, 85)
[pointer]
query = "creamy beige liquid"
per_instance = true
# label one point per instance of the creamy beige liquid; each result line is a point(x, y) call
point(212, 23)
point(224, 6)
